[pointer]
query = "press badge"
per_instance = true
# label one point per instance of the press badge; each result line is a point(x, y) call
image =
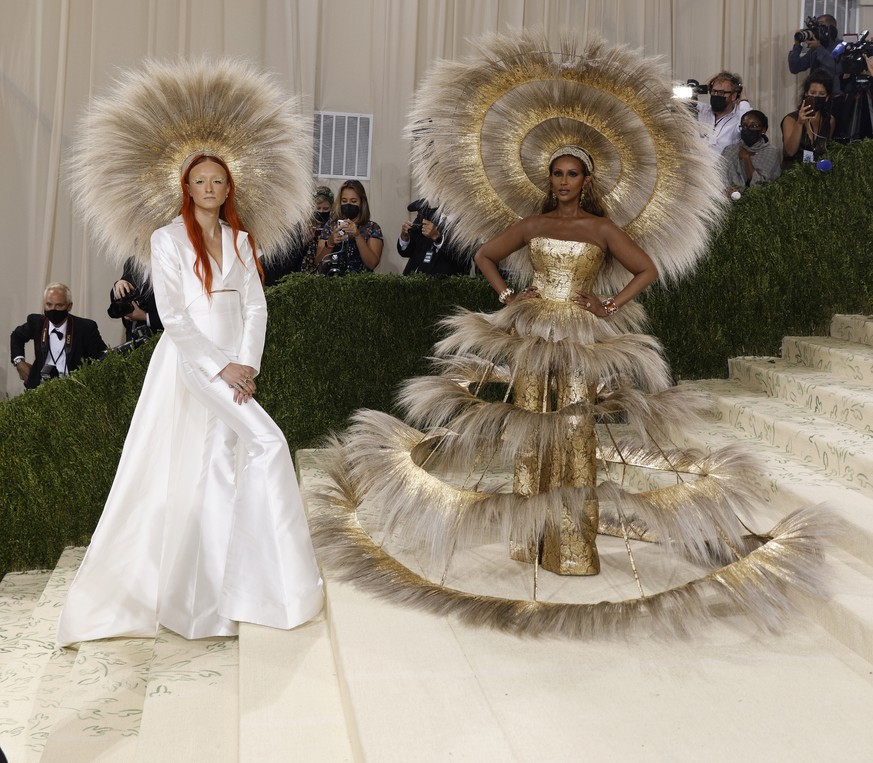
point(808, 156)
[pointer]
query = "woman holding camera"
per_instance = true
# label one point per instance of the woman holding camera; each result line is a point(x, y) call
point(351, 239)
point(806, 132)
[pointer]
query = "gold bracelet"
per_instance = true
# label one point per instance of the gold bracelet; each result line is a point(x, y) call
point(505, 294)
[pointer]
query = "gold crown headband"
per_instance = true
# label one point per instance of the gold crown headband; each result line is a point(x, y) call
point(576, 151)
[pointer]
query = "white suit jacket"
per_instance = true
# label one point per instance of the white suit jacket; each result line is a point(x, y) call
point(176, 286)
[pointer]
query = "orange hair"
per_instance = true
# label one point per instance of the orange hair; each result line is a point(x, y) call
point(203, 262)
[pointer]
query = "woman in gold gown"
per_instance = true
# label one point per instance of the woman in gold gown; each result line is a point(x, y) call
point(567, 243)
point(583, 178)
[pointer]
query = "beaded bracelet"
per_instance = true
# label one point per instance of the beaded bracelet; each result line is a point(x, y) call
point(505, 294)
point(609, 305)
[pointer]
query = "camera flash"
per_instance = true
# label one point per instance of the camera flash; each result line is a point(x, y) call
point(682, 91)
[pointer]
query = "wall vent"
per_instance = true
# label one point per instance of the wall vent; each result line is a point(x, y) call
point(343, 145)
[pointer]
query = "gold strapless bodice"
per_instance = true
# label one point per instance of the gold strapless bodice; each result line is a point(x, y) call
point(563, 267)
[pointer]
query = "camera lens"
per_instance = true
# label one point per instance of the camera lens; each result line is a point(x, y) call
point(804, 35)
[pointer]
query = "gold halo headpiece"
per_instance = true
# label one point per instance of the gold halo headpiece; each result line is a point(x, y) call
point(139, 138)
point(483, 129)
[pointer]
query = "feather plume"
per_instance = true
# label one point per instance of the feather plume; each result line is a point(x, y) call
point(758, 585)
point(483, 128)
point(127, 157)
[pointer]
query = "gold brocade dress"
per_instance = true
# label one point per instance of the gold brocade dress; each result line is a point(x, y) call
point(561, 269)
point(568, 401)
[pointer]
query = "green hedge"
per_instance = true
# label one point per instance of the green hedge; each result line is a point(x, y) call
point(787, 257)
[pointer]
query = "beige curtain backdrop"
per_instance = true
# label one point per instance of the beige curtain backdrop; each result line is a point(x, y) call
point(343, 55)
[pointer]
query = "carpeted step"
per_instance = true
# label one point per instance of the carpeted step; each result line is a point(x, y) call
point(842, 452)
point(848, 612)
point(840, 357)
point(853, 328)
point(785, 483)
point(820, 392)
point(19, 594)
point(98, 715)
point(34, 672)
point(427, 688)
point(289, 696)
point(191, 708)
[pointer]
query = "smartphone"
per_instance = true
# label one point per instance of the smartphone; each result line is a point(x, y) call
point(809, 101)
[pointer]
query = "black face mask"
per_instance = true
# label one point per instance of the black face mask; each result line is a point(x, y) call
point(57, 317)
point(820, 103)
point(350, 211)
point(750, 137)
point(321, 217)
point(718, 103)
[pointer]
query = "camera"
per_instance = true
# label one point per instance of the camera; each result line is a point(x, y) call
point(423, 210)
point(696, 87)
point(335, 264)
point(823, 33)
point(123, 306)
point(139, 336)
point(851, 56)
point(48, 371)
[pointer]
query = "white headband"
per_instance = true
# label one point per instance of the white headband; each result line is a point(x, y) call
point(577, 151)
point(196, 155)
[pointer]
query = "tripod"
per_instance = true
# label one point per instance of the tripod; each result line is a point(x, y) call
point(856, 117)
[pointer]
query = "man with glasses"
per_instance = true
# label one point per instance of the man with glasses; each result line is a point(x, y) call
point(727, 104)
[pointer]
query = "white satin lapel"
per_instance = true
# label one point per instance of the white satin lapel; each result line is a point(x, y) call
point(228, 254)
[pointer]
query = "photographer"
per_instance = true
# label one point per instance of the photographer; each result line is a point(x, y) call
point(820, 37)
point(351, 242)
point(727, 104)
point(134, 302)
point(300, 256)
point(61, 341)
point(423, 244)
point(806, 132)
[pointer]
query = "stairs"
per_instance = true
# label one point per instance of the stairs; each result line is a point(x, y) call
point(809, 418)
point(255, 698)
point(369, 680)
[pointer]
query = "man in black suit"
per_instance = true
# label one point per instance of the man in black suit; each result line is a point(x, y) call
point(423, 244)
point(61, 341)
point(140, 314)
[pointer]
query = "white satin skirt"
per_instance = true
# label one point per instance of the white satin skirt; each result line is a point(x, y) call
point(204, 526)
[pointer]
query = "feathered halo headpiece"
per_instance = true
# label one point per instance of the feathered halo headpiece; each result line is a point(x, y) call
point(133, 143)
point(483, 131)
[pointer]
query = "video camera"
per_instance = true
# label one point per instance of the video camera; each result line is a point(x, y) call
point(851, 55)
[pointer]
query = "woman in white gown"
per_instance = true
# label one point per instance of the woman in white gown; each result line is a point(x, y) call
point(204, 526)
